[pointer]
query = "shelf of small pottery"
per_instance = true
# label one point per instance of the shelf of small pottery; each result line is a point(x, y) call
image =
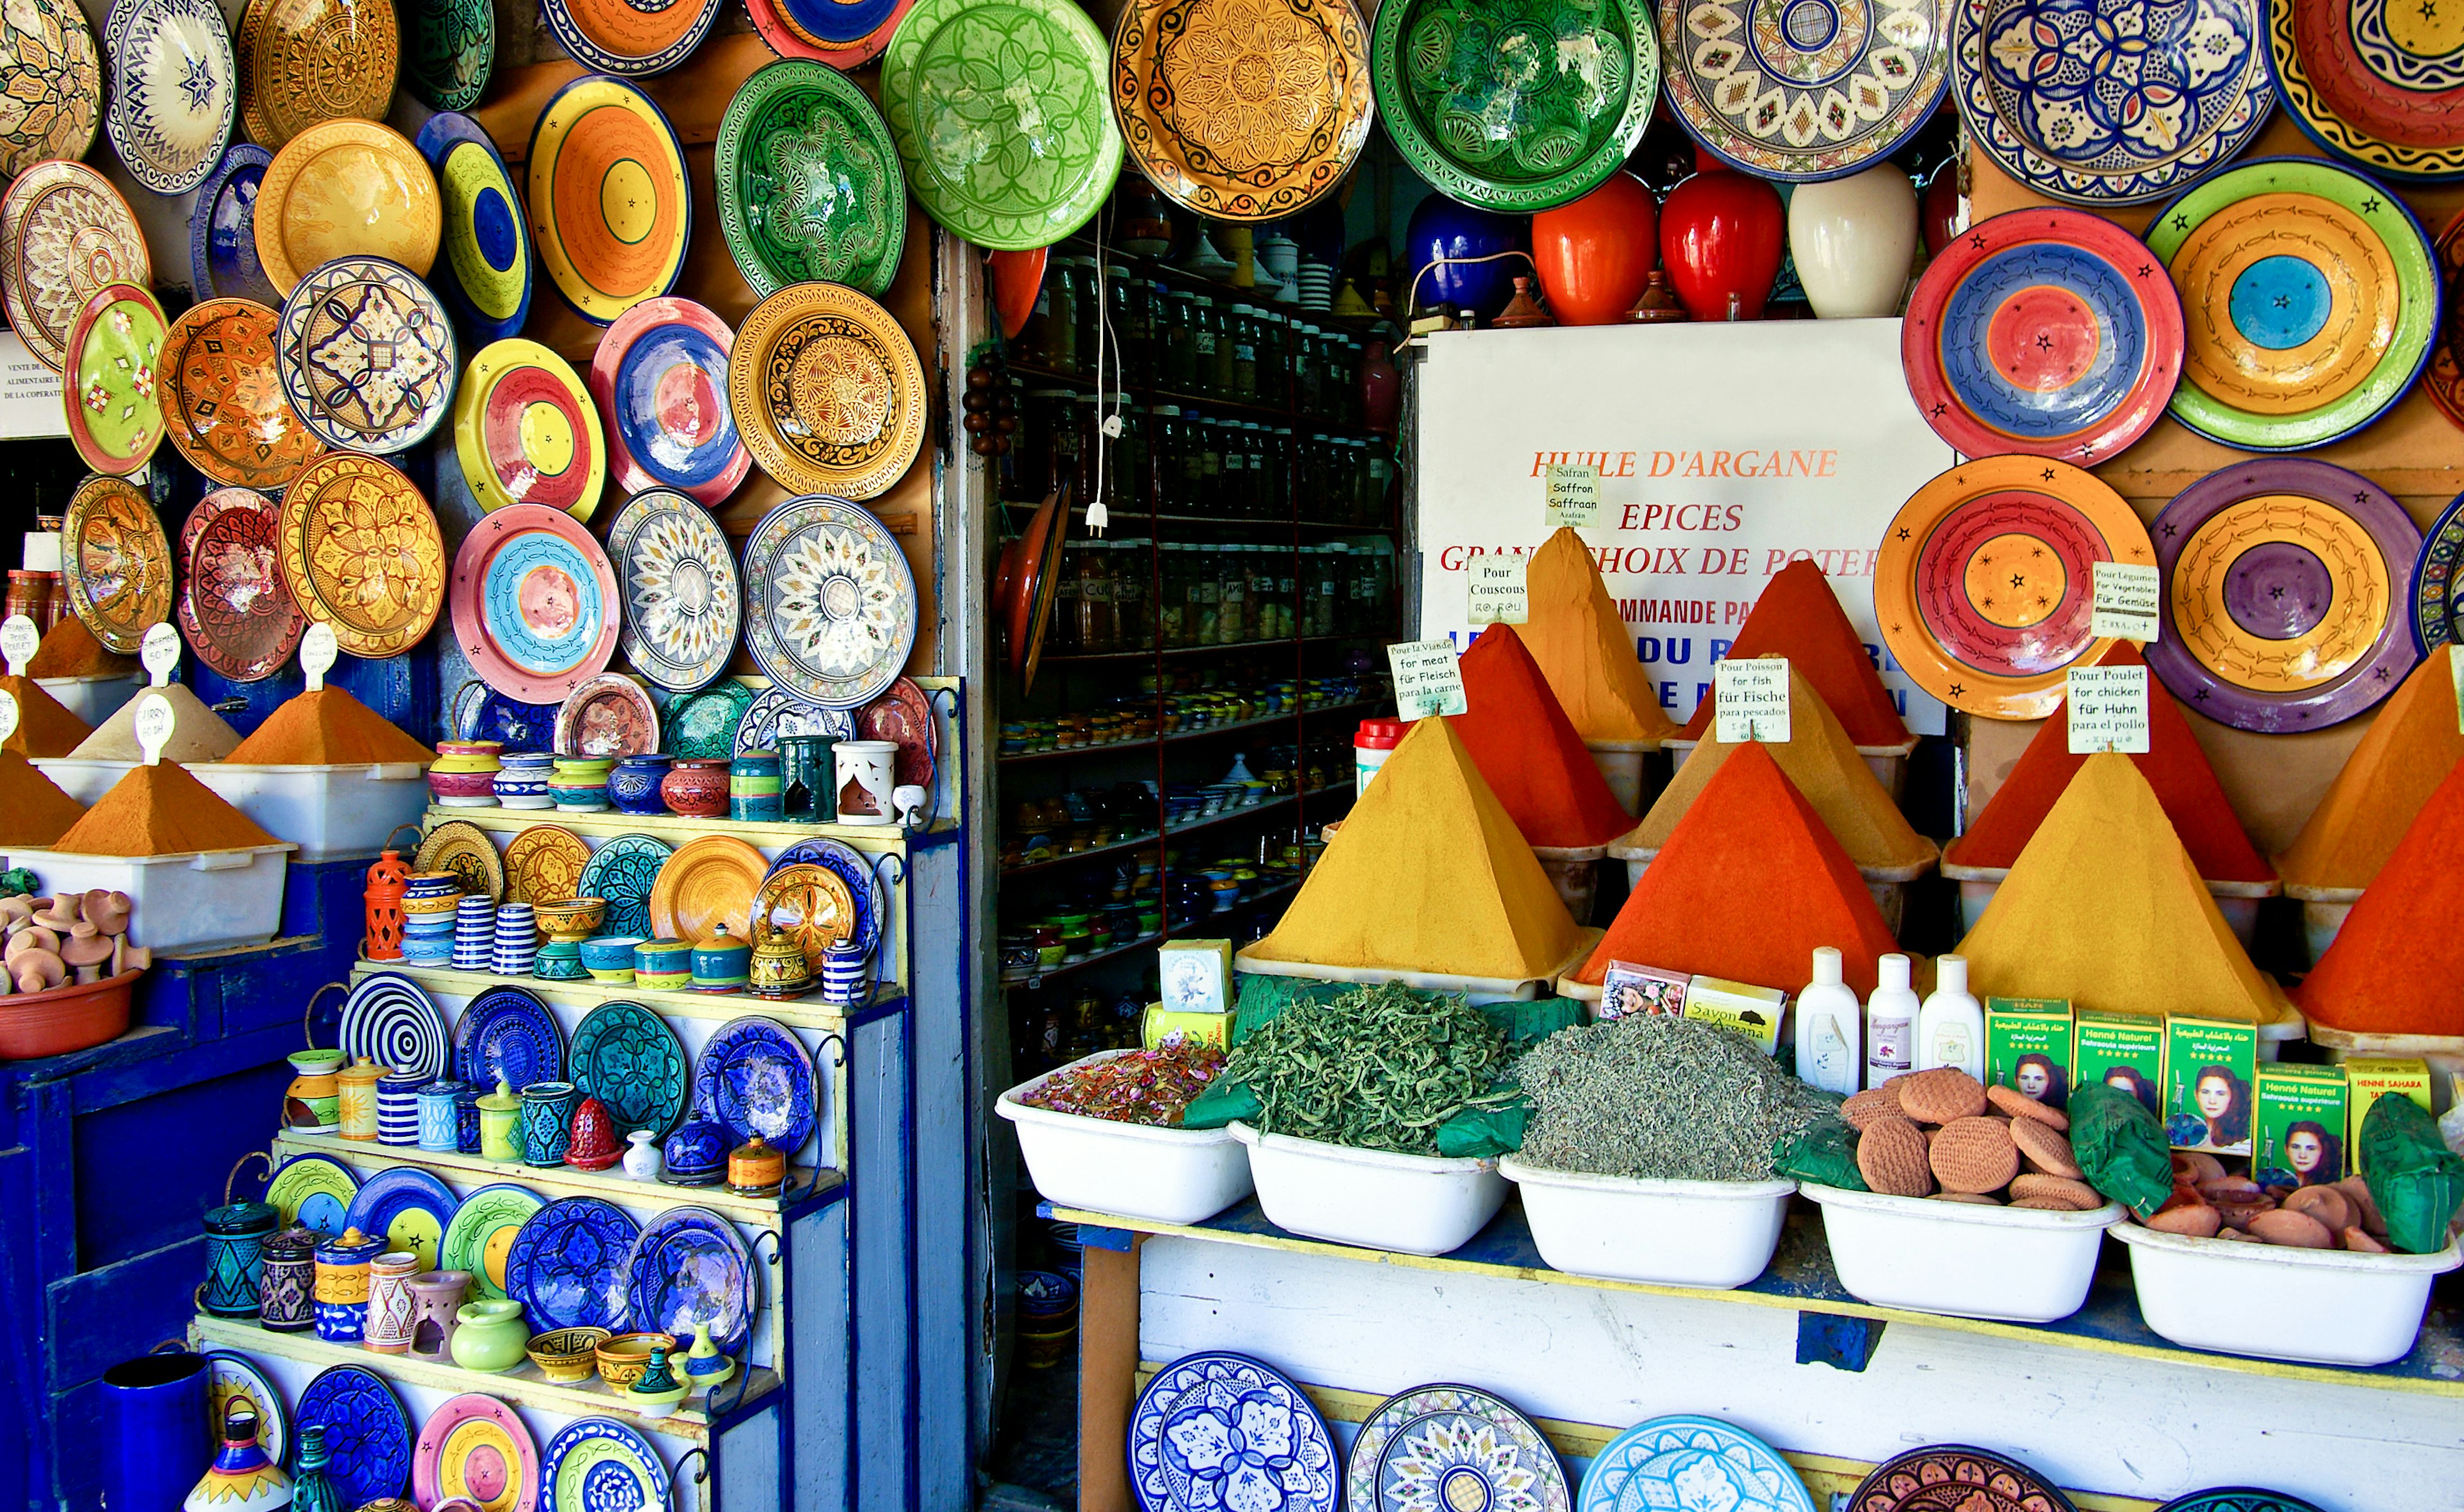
point(797, 1013)
point(766, 835)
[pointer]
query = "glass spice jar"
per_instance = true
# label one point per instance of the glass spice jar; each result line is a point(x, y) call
point(1206, 330)
point(1242, 373)
point(1176, 339)
point(1060, 329)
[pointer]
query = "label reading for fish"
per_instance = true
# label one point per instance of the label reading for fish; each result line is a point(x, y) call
point(2126, 602)
point(1499, 590)
point(1749, 700)
point(154, 721)
point(318, 649)
point(2108, 710)
point(1574, 494)
point(160, 651)
point(1426, 679)
point(19, 641)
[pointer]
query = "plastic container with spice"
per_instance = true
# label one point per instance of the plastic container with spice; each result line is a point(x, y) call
point(1717, 1235)
point(1962, 1259)
point(2279, 1302)
point(1165, 1175)
point(1411, 1204)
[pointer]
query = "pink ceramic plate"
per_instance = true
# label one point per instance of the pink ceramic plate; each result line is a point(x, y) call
point(535, 602)
point(233, 607)
point(903, 715)
point(607, 715)
point(474, 1447)
point(659, 377)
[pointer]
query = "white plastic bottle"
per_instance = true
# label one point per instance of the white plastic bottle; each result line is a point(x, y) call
point(1829, 1028)
point(1950, 1026)
point(1890, 1022)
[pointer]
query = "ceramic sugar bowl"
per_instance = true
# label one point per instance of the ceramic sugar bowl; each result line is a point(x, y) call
point(490, 1335)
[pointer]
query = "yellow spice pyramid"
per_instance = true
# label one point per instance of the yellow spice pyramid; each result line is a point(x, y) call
point(2408, 750)
point(1583, 648)
point(1427, 874)
point(2105, 908)
point(1822, 762)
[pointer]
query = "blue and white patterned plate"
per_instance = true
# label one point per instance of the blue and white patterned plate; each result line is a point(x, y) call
point(1690, 1462)
point(407, 1206)
point(689, 1265)
point(367, 1433)
point(1217, 1430)
point(391, 1020)
point(367, 356)
point(829, 601)
point(777, 713)
point(622, 871)
point(676, 575)
point(598, 1464)
point(567, 1266)
point(626, 1057)
point(222, 230)
point(1452, 1446)
point(864, 888)
point(174, 92)
point(507, 1035)
point(756, 1078)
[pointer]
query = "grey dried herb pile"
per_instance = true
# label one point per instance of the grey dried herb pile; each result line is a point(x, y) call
point(1660, 1098)
point(1378, 1068)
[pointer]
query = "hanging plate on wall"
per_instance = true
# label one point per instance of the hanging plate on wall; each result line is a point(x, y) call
point(112, 381)
point(404, 1206)
point(843, 33)
point(1451, 1446)
point(463, 849)
point(660, 379)
point(2376, 82)
point(116, 562)
point(507, 1035)
point(305, 61)
point(1804, 90)
point(314, 1191)
point(607, 715)
point(234, 609)
point(535, 602)
point(174, 92)
point(56, 74)
point(691, 1266)
point(234, 1380)
point(2437, 607)
point(828, 391)
point(1209, 1400)
point(626, 1057)
point(452, 51)
point(904, 717)
point(708, 881)
point(476, 1448)
point(812, 905)
point(346, 188)
point(223, 406)
point(367, 356)
point(367, 1434)
point(360, 551)
point(1669, 1461)
point(830, 602)
point(482, 1234)
point(64, 234)
point(222, 230)
point(390, 1018)
point(683, 606)
point(543, 864)
point(865, 892)
point(2445, 379)
point(809, 185)
point(776, 713)
point(526, 432)
point(757, 1078)
point(485, 274)
point(704, 726)
point(631, 38)
point(610, 207)
point(622, 872)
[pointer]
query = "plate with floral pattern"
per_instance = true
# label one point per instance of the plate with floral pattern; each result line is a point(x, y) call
point(306, 61)
point(507, 1035)
point(222, 230)
point(535, 602)
point(607, 715)
point(238, 617)
point(174, 92)
point(1216, 1429)
point(348, 188)
point(843, 33)
point(116, 562)
point(482, 1232)
point(610, 207)
point(222, 405)
point(463, 849)
point(683, 606)
point(367, 1433)
point(114, 376)
point(1805, 90)
point(597, 1462)
point(543, 864)
point(810, 181)
point(622, 871)
point(1452, 1446)
point(360, 551)
point(526, 432)
point(452, 51)
point(865, 891)
point(367, 356)
point(626, 1057)
point(828, 391)
point(777, 713)
point(2379, 83)
point(690, 1266)
point(568, 1266)
point(705, 725)
point(64, 234)
point(48, 65)
point(660, 378)
point(830, 602)
point(757, 1078)
point(1690, 1462)
point(1955, 1477)
point(631, 38)
point(485, 274)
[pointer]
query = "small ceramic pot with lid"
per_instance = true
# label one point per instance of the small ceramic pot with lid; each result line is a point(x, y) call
point(721, 963)
point(755, 1169)
point(235, 1235)
point(666, 965)
point(286, 1290)
point(356, 1086)
point(342, 1285)
point(696, 787)
point(500, 1114)
point(523, 783)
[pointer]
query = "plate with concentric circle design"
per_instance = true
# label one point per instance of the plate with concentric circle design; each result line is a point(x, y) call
point(485, 273)
point(830, 606)
point(360, 551)
point(1446, 1445)
point(710, 881)
point(222, 230)
point(114, 378)
point(660, 378)
point(2309, 297)
point(812, 191)
point(2379, 83)
point(535, 602)
point(526, 431)
point(630, 37)
point(1804, 90)
point(367, 356)
point(683, 606)
point(843, 33)
point(482, 1232)
point(477, 1449)
point(346, 188)
point(828, 391)
point(174, 92)
point(116, 562)
point(238, 617)
point(223, 406)
point(2052, 331)
point(2286, 601)
point(65, 234)
point(391, 1019)
point(610, 207)
point(1985, 577)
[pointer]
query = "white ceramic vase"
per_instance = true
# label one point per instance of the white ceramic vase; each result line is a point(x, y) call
point(642, 1162)
point(1853, 240)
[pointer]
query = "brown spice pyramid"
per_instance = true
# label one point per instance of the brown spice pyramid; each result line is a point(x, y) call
point(1576, 634)
point(160, 810)
point(2397, 966)
point(33, 811)
point(2105, 908)
point(68, 650)
point(1799, 617)
point(2410, 746)
point(1527, 752)
point(1822, 764)
point(327, 727)
point(45, 726)
point(1427, 874)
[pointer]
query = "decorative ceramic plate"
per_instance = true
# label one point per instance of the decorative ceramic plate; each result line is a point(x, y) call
point(367, 356)
point(367, 1434)
point(682, 606)
point(568, 1266)
point(830, 602)
point(2437, 607)
point(174, 93)
point(2310, 296)
point(689, 1267)
point(630, 37)
point(223, 406)
point(812, 904)
point(463, 848)
point(828, 391)
point(64, 234)
point(2043, 331)
point(1802, 90)
point(406, 1205)
point(480, 712)
point(535, 602)
point(507, 1035)
point(1984, 582)
point(452, 50)
point(233, 610)
point(1200, 1406)
point(1954, 1478)
point(774, 712)
point(2376, 82)
point(481, 1235)
point(116, 562)
point(843, 33)
point(2286, 603)
point(543, 864)
point(1183, 72)
point(114, 376)
point(234, 1380)
point(525, 432)
point(607, 715)
point(48, 64)
point(474, 1447)
point(598, 1463)
point(485, 276)
point(346, 188)
point(710, 881)
point(757, 1078)
point(2445, 379)
point(391, 1019)
point(222, 230)
point(811, 185)
point(610, 208)
point(904, 717)
point(626, 1057)
point(866, 894)
point(2239, 1498)
point(705, 725)
point(624, 871)
point(1034, 585)
point(314, 1191)
point(660, 378)
point(1452, 1446)
point(998, 107)
point(1671, 1461)
point(360, 551)
point(2111, 105)
point(304, 61)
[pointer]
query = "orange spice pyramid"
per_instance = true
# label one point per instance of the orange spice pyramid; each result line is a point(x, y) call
point(2104, 907)
point(160, 810)
point(2412, 746)
point(2397, 965)
point(1583, 648)
point(1750, 883)
point(1823, 766)
point(1799, 617)
point(1528, 750)
point(33, 811)
point(2175, 766)
point(327, 727)
point(68, 650)
point(1427, 874)
point(45, 726)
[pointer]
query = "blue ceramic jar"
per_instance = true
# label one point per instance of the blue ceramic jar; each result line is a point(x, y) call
point(755, 788)
point(398, 1108)
point(547, 1122)
point(721, 963)
point(342, 1285)
point(696, 1153)
point(438, 1123)
point(633, 787)
point(235, 1235)
point(521, 782)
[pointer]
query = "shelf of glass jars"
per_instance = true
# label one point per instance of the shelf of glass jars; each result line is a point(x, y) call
point(1148, 653)
point(873, 839)
point(1173, 831)
point(1150, 742)
point(1206, 926)
point(1211, 404)
point(808, 1012)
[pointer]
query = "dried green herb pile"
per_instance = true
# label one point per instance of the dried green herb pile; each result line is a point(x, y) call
point(1378, 1068)
point(1660, 1098)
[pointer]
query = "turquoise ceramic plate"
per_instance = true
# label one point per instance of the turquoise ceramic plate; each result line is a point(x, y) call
point(622, 872)
point(808, 182)
point(453, 47)
point(705, 725)
point(486, 272)
point(626, 1057)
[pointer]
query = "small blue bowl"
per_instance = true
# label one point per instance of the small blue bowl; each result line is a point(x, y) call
point(610, 953)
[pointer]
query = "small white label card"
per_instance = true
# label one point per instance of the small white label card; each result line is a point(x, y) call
point(1574, 494)
point(1499, 590)
point(1426, 679)
point(160, 651)
point(1749, 700)
point(154, 721)
point(2126, 602)
point(8, 715)
point(2107, 709)
point(2454, 665)
point(19, 641)
point(318, 649)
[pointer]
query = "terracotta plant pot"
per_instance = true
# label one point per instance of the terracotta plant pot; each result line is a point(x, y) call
point(65, 1018)
point(1595, 256)
point(1721, 235)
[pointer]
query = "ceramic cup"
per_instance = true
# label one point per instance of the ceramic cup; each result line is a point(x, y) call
point(912, 803)
point(866, 775)
point(547, 1122)
point(843, 974)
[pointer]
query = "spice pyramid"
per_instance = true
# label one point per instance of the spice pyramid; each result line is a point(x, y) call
point(1823, 766)
point(2175, 766)
point(1528, 750)
point(1427, 874)
point(160, 810)
point(327, 727)
point(68, 650)
point(1799, 617)
point(2410, 746)
point(2397, 966)
point(1749, 883)
point(198, 733)
point(2104, 907)
point(1574, 632)
point(45, 727)
point(32, 809)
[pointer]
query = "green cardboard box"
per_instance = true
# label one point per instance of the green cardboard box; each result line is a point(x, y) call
point(2120, 1050)
point(2301, 1123)
point(2367, 1078)
point(2028, 1047)
point(2208, 1068)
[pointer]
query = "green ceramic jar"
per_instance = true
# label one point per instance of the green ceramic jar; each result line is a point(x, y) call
point(491, 1336)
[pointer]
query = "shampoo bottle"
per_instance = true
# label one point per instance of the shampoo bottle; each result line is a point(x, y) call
point(1827, 1032)
point(1890, 1022)
point(1951, 1027)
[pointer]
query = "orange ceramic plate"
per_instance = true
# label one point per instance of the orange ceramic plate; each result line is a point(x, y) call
point(812, 904)
point(630, 37)
point(708, 881)
point(610, 207)
point(223, 398)
point(346, 188)
point(543, 864)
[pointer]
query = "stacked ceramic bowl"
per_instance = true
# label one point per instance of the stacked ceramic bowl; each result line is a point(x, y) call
point(517, 939)
point(609, 957)
point(429, 906)
point(474, 933)
point(1315, 281)
point(559, 961)
point(398, 1108)
point(522, 781)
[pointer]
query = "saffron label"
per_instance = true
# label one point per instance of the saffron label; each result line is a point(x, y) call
point(1574, 494)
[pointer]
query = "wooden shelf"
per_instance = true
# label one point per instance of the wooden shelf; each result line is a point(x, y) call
point(802, 1013)
point(1150, 742)
point(872, 839)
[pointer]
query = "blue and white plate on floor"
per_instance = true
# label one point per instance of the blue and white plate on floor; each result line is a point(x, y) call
point(1452, 1446)
point(1690, 1462)
point(1218, 1431)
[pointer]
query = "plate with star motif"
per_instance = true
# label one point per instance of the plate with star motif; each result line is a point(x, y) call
point(828, 391)
point(1452, 1446)
point(610, 206)
point(830, 602)
point(683, 606)
point(360, 551)
point(535, 602)
point(114, 378)
point(809, 188)
point(116, 562)
point(223, 406)
point(2380, 83)
point(660, 378)
point(367, 356)
point(238, 617)
point(174, 92)
point(65, 233)
point(1199, 1407)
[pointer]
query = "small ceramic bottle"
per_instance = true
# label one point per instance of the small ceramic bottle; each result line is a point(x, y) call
point(1950, 1026)
point(642, 1162)
point(241, 1478)
point(1829, 1036)
point(704, 1365)
point(312, 1486)
point(1890, 1021)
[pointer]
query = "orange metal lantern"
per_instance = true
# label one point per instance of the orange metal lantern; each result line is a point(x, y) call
point(388, 881)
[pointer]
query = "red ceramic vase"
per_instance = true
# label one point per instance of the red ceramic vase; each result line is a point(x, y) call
point(1596, 254)
point(1018, 277)
point(1721, 235)
point(594, 1146)
point(696, 788)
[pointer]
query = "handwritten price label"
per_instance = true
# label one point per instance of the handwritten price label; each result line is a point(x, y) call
point(1426, 679)
point(1574, 494)
point(2107, 709)
point(1749, 700)
point(2125, 605)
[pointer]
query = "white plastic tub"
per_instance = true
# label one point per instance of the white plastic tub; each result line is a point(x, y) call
point(328, 811)
point(200, 900)
point(1626, 766)
point(1170, 1175)
point(2237, 901)
point(82, 778)
point(1411, 1204)
point(93, 699)
point(1717, 1235)
point(1961, 1259)
point(2278, 1303)
point(1889, 764)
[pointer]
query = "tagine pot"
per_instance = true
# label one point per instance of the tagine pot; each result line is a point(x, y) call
point(1596, 254)
point(1720, 235)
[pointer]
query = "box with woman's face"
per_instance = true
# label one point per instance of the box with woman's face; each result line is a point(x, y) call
point(2208, 1071)
point(2300, 1139)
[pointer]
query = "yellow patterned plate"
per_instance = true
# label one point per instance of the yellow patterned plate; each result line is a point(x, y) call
point(222, 397)
point(465, 850)
point(346, 188)
point(360, 551)
point(828, 390)
point(812, 904)
point(64, 234)
point(543, 864)
point(303, 61)
point(116, 562)
point(708, 881)
point(610, 207)
point(114, 378)
point(527, 432)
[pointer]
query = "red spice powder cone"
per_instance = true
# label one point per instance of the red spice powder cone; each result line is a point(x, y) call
point(2397, 966)
point(1799, 617)
point(1525, 745)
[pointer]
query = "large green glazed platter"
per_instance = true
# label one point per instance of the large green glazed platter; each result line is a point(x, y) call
point(453, 47)
point(1001, 118)
point(808, 182)
point(1514, 105)
point(481, 1232)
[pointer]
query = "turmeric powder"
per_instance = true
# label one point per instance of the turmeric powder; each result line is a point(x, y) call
point(1574, 633)
point(33, 811)
point(160, 810)
point(45, 727)
point(327, 727)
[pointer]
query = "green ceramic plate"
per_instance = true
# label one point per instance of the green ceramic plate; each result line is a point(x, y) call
point(480, 1233)
point(808, 184)
point(1515, 105)
point(1001, 118)
point(705, 725)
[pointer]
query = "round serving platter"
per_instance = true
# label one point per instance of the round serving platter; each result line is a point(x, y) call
point(222, 230)
point(811, 190)
point(535, 602)
point(1803, 90)
point(233, 1380)
point(812, 905)
point(404, 1206)
point(451, 51)
point(313, 1192)
point(660, 379)
point(482, 1232)
point(2437, 607)
point(631, 38)
point(463, 849)
point(843, 33)
point(597, 1462)
point(116, 562)
point(626, 1057)
point(568, 1266)
point(367, 1433)
point(233, 610)
point(476, 1448)
point(683, 606)
point(224, 408)
point(610, 207)
point(306, 61)
point(174, 92)
point(607, 715)
point(710, 881)
point(544, 865)
point(526, 432)
point(506, 1035)
point(688, 1267)
point(360, 551)
point(704, 725)
point(64, 234)
point(1670, 1462)
point(774, 712)
point(757, 1078)
point(1456, 1446)
point(367, 356)
point(828, 392)
point(866, 895)
point(903, 717)
point(831, 608)
point(113, 375)
point(55, 74)
point(622, 872)
point(485, 276)
point(1955, 1477)
point(2379, 83)
point(1207, 1399)
point(346, 188)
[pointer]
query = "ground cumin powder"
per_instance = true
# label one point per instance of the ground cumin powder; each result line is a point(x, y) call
point(1528, 750)
point(1574, 632)
point(2410, 748)
point(327, 727)
point(198, 733)
point(45, 727)
point(1427, 874)
point(1799, 617)
point(2397, 965)
point(68, 650)
point(33, 811)
point(160, 810)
